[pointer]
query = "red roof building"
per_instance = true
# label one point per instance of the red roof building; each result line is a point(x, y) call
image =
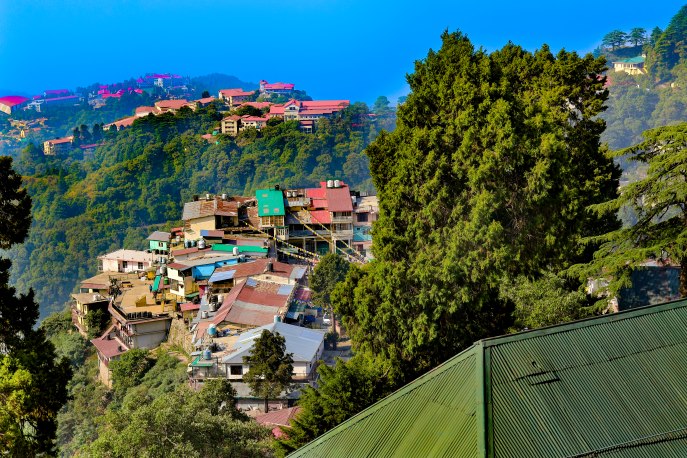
point(11, 103)
point(234, 97)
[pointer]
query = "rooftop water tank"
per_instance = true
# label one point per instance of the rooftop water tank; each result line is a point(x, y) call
point(212, 330)
point(204, 314)
point(163, 270)
point(201, 244)
point(213, 307)
point(220, 298)
point(330, 183)
point(207, 196)
point(224, 197)
point(207, 354)
point(277, 319)
point(235, 251)
point(337, 183)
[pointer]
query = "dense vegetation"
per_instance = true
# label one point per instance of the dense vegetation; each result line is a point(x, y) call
point(140, 178)
point(32, 378)
point(483, 189)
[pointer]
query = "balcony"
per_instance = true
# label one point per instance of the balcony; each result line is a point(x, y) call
point(342, 219)
point(347, 234)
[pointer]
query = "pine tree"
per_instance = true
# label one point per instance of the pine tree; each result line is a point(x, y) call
point(32, 382)
point(660, 202)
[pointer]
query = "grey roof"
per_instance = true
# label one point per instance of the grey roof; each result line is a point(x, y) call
point(221, 276)
point(204, 261)
point(159, 236)
point(303, 343)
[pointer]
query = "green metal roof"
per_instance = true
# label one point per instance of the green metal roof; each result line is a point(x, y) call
point(611, 386)
point(632, 60)
point(242, 248)
point(270, 202)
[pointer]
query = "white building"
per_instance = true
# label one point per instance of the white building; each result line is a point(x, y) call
point(125, 261)
point(306, 345)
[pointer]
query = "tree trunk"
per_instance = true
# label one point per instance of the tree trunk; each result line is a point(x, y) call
point(267, 404)
point(683, 278)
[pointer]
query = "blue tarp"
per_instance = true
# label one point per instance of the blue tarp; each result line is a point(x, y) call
point(203, 272)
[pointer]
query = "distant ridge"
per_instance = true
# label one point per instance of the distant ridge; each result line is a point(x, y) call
point(216, 81)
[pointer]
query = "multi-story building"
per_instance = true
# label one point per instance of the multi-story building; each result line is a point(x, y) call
point(213, 213)
point(365, 212)
point(125, 261)
point(58, 146)
point(12, 103)
point(84, 303)
point(276, 88)
point(235, 97)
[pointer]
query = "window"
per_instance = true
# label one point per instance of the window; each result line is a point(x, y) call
point(362, 217)
point(124, 264)
point(140, 266)
point(236, 370)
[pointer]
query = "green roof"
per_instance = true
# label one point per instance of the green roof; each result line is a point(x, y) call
point(611, 386)
point(242, 248)
point(632, 60)
point(270, 202)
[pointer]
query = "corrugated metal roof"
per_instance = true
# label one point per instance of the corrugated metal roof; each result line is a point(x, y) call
point(221, 276)
point(302, 343)
point(436, 415)
point(614, 385)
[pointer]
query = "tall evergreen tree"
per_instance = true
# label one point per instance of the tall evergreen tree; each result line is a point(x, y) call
point(32, 383)
point(488, 176)
point(660, 202)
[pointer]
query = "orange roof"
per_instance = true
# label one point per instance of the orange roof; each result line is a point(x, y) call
point(171, 104)
point(238, 92)
point(59, 141)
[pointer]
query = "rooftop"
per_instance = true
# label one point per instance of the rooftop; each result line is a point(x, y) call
point(605, 386)
point(128, 255)
point(302, 342)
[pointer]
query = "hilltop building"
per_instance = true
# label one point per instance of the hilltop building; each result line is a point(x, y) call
point(11, 103)
point(58, 146)
point(631, 66)
point(276, 88)
point(235, 97)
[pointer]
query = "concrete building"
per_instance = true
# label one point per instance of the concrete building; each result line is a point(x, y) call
point(58, 146)
point(125, 261)
point(11, 103)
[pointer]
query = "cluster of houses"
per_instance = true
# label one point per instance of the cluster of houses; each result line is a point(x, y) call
point(237, 266)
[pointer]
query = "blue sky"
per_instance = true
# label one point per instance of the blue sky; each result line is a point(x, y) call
point(331, 48)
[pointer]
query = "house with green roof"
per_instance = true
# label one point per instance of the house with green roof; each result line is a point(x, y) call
point(610, 386)
point(632, 66)
point(271, 212)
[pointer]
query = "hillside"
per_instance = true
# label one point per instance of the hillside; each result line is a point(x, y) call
point(139, 179)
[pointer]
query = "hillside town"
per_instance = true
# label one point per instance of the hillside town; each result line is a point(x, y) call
point(238, 265)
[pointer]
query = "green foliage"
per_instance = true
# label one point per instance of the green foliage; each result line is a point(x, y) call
point(331, 269)
point(487, 177)
point(15, 206)
point(96, 322)
point(615, 39)
point(28, 405)
point(546, 301)
point(343, 390)
point(669, 48)
point(181, 423)
point(270, 367)
point(129, 369)
point(57, 323)
point(90, 405)
point(658, 201)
